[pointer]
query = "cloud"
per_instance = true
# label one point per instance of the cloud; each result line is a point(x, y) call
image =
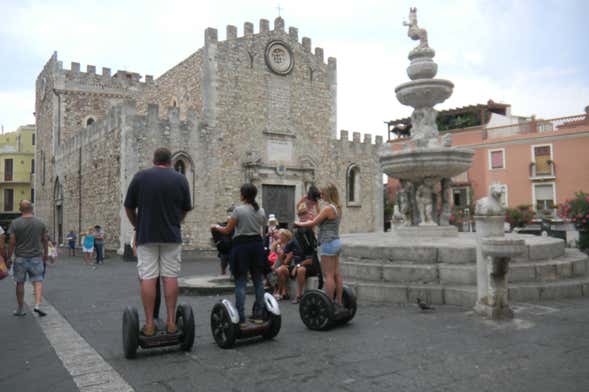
point(17, 108)
point(488, 50)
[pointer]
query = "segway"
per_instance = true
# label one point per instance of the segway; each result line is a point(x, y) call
point(225, 322)
point(318, 312)
point(133, 338)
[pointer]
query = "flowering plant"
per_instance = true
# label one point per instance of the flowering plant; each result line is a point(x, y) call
point(519, 216)
point(577, 210)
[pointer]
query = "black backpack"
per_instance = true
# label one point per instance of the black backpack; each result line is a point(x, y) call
point(223, 242)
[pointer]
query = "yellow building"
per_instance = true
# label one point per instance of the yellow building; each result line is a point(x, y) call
point(17, 168)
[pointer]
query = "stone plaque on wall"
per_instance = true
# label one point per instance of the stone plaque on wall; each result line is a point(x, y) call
point(279, 150)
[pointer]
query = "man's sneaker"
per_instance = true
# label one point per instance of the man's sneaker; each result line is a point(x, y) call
point(19, 312)
point(39, 311)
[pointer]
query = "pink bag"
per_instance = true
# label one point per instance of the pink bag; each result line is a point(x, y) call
point(272, 257)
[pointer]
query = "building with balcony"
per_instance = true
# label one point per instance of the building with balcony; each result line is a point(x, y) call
point(538, 162)
point(17, 168)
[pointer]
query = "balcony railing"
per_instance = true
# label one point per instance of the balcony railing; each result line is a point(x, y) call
point(548, 171)
point(16, 177)
point(537, 126)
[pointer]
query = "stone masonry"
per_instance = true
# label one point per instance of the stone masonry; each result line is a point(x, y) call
point(257, 107)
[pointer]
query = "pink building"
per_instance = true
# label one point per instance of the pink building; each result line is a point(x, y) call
point(539, 162)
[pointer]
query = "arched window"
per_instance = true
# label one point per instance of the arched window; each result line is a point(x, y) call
point(89, 120)
point(174, 102)
point(180, 166)
point(353, 185)
point(182, 163)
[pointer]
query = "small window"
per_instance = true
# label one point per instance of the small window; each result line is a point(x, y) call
point(32, 195)
point(32, 166)
point(544, 197)
point(180, 166)
point(353, 185)
point(542, 158)
point(90, 121)
point(8, 170)
point(497, 159)
point(33, 136)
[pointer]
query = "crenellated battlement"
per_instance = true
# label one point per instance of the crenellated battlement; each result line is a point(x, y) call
point(357, 138)
point(105, 78)
point(212, 35)
point(126, 115)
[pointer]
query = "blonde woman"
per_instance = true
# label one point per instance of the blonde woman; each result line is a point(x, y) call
point(330, 245)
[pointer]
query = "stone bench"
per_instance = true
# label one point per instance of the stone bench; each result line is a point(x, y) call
point(312, 283)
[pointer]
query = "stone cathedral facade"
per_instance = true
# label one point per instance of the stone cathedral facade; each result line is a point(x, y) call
point(260, 107)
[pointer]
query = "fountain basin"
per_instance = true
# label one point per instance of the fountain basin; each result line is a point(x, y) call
point(422, 93)
point(419, 163)
point(502, 247)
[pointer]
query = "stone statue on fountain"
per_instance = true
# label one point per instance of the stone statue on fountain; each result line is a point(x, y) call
point(426, 163)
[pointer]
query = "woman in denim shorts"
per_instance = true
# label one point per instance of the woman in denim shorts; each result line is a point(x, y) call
point(330, 245)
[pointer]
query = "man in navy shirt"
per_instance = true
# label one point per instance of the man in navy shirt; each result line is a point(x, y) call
point(157, 201)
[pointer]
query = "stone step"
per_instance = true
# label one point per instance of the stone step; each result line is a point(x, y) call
point(539, 291)
point(573, 264)
point(465, 295)
point(395, 293)
point(460, 250)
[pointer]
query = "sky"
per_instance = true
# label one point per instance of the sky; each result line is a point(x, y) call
point(532, 54)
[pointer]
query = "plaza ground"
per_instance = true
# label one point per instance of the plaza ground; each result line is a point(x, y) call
point(385, 348)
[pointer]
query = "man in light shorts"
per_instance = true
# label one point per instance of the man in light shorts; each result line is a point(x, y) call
point(157, 201)
point(28, 241)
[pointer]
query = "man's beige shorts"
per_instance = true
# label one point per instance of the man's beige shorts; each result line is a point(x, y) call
point(159, 259)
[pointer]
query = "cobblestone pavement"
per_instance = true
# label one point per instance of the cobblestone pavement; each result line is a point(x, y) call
point(385, 348)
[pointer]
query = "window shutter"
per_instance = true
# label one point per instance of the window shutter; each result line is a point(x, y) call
point(544, 192)
point(497, 159)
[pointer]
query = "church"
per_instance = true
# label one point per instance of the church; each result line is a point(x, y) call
point(257, 107)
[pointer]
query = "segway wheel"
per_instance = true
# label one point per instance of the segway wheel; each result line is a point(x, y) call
point(316, 310)
point(130, 332)
point(349, 302)
point(185, 323)
point(224, 330)
point(274, 328)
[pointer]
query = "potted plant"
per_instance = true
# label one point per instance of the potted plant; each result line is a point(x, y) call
point(519, 216)
point(577, 211)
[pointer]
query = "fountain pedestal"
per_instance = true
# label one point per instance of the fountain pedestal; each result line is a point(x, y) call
point(494, 252)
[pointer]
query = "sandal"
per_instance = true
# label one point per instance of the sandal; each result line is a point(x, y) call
point(296, 300)
point(148, 331)
point(171, 328)
point(285, 296)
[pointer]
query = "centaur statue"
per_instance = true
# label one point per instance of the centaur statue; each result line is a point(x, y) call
point(416, 33)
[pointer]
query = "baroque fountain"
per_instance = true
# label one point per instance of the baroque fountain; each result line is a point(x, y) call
point(426, 159)
point(427, 258)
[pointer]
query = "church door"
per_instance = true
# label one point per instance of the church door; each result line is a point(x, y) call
point(280, 201)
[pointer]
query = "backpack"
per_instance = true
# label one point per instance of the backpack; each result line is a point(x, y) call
point(223, 242)
point(305, 237)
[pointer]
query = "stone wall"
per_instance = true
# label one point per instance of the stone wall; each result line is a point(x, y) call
point(180, 85)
